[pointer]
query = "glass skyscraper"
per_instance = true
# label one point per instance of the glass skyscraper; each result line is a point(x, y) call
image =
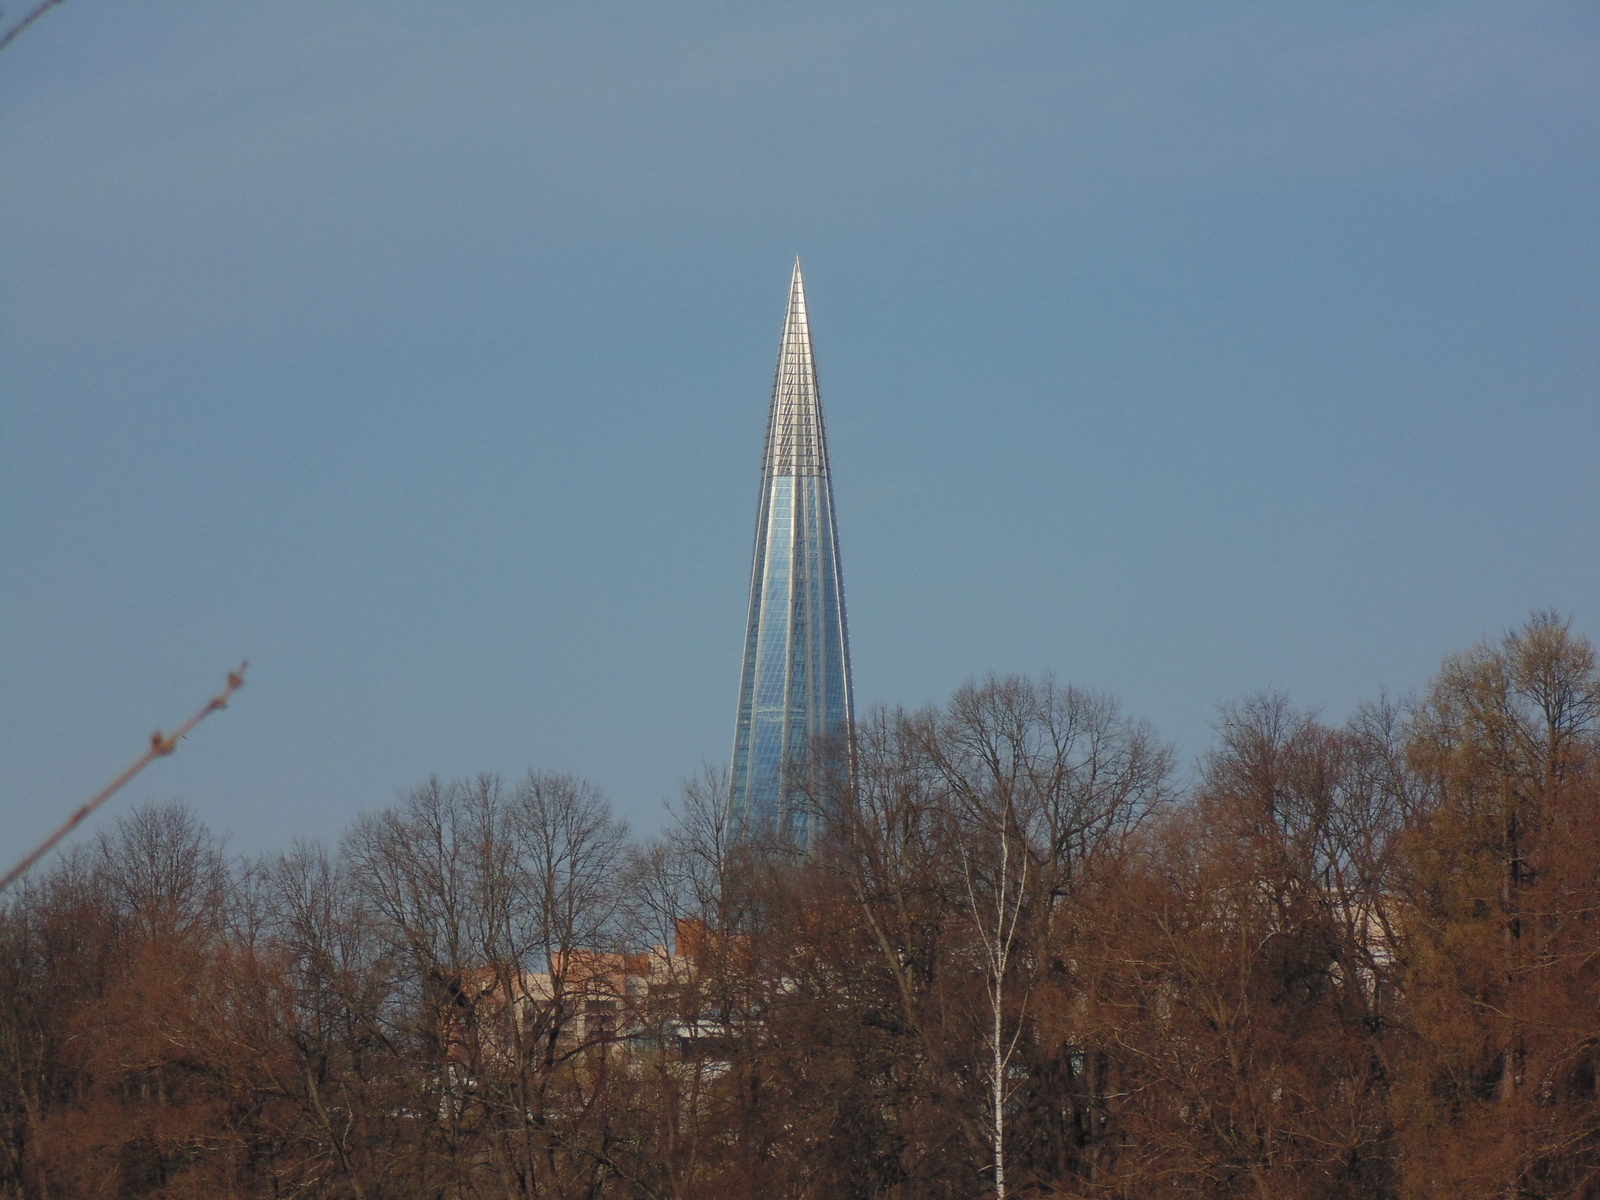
point(795, 705)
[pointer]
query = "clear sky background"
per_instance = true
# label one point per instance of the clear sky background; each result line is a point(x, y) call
point(420, 353)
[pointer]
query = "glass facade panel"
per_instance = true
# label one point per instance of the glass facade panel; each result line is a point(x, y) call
point(794, 693)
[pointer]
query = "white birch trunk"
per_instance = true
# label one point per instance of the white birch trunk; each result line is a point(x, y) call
point(997, 943)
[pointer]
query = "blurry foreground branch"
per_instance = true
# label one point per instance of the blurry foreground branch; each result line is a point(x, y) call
point(6, 39)
point(160, 747)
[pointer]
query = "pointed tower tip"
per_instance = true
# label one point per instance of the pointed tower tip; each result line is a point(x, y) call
point(796, 444)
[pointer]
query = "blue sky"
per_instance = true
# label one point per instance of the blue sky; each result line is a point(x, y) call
point(420, 354)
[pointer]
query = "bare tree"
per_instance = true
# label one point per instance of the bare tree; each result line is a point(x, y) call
point(503, 905)
point(996, 914)
point(165, 873)
point(1043, 781)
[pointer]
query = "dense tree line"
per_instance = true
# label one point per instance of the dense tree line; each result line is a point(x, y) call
point(1355, 960)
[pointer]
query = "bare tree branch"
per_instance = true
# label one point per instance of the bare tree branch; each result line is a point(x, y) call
point(6, 39)
point(160, 746)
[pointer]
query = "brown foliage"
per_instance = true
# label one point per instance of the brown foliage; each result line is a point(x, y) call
point(1357, 960)
point(1502, 895)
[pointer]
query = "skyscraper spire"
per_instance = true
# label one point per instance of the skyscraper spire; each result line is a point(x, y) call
point(794, 693)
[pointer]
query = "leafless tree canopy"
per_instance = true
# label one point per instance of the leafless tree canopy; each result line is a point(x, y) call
point(1348, 960)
